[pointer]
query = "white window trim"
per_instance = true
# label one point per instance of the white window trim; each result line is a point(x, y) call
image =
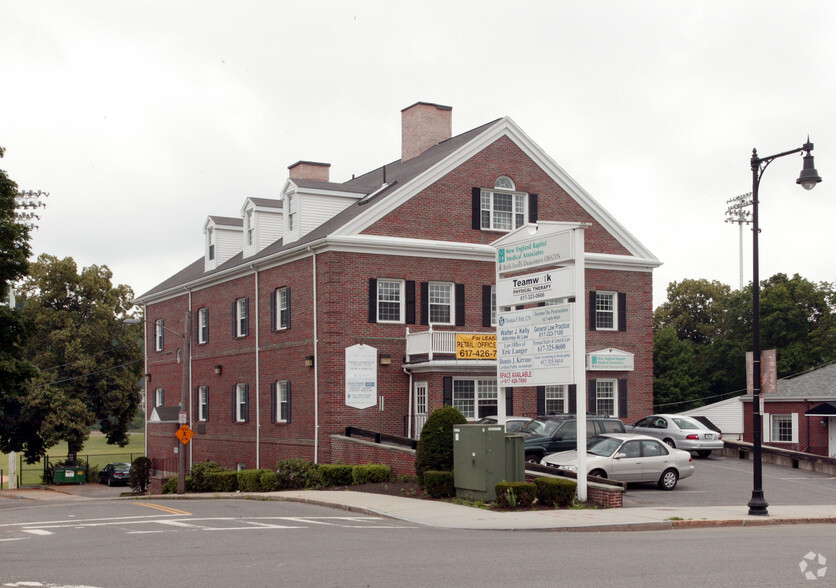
point(159, 337)
point(250, 228)
point(769, 422)
point(491, 194)
point(452, 304)
point(401, 300)
point(210, 243)
point(281, 400)
point(203, 404)
point(159, 397)
point(614, 311)
point(614, 383)
point(202, 325)
point(478, 403)
point(557, 392)
point(241, 317)
point(281, 305)
point(240, 403)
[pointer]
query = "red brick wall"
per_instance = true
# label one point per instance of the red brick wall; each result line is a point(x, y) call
point(357, 452)
point(812, 432)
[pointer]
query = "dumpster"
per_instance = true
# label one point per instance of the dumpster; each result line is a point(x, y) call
point(69, 475)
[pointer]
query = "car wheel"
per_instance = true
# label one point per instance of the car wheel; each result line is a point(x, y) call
point(598, 473)
point(670, 443)
point(532, 458)
point(668, 479)
point(703, 453)
point(109, 481)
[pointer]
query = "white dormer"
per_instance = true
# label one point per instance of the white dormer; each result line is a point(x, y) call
point(222, 240)
point(263, 225)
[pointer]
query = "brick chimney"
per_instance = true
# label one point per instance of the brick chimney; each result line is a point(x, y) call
point(309, 170)
point(424, 125)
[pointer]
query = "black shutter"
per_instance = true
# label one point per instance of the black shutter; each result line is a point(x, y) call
point(234, 318)
point(486, 306)
point(247, 314)
point(622, 311)
point(592, 396)
point(592, 299)
point(234, 391)
point(447, 396)
point(476, 204)
point(288, 401)
point(541, 400)
point(273, 310)
point(196, 403)
point(206, 339)
point(410, 302)
point(460, 319)
point(532, 208)
point(162, 397)
point(425, 303)
point(372, 300)
point(622, 399)
point(287, 304)
point(162, 335)
point(509, 401)
point(273, 402)
point(207, 405)
point(196, 327)
point(573, 398)
point(246, 403)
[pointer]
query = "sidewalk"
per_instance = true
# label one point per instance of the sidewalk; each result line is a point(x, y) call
point(433, 513)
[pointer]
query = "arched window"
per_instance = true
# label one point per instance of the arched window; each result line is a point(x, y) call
point(504, 183)
point(503, 208)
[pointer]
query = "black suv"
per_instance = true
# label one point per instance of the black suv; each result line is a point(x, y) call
point(548, 434)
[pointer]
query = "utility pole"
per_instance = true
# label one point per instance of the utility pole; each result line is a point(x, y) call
point(736, 213)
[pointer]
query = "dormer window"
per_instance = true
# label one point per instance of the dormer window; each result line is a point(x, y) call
point(291, 212)
point(210, 236)
point(250, 227)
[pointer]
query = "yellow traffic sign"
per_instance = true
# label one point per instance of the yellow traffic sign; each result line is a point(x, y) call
point(185, 434)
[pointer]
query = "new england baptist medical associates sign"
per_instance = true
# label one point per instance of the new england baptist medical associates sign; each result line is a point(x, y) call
point(537, 252)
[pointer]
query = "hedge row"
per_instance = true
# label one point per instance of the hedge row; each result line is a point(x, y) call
point(547, 491)
point(290, 474)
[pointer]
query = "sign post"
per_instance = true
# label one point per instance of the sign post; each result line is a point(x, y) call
point(544, 345)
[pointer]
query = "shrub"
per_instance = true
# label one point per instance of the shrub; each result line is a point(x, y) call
point(223, 481)
point(555, 491)
point(269, 481)
point(439, 484)
point(170, 486)
point(140, 475)
point(515, 494)
point(200, 473)
point(335, 474)
point(435, 447)
point(250, 480)
point(296, 473)
point(368, 474)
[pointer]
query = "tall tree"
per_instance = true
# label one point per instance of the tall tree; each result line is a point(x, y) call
point(677, 383)
point(89, 360)
point(15, 371)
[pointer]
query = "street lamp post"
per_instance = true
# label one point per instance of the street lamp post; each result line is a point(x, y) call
point(808, 179)
point(184, 390)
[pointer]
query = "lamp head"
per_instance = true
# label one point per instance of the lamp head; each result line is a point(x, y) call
point(809, 176)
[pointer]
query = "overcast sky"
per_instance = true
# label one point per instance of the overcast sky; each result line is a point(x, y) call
point(142, 118)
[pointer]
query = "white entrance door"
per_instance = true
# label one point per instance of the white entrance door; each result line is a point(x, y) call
point(831, 447)
point(421, 389)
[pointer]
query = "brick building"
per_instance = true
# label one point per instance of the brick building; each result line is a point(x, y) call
point(395, 261)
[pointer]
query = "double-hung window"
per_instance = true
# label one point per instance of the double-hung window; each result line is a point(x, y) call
point(556, 399)
point(203, 403)
point(475, 398)
point(250, 227)
point(390, 301)
point(605, 397)
point(441, 303)
point(159, 397)
point(280, 402)
point(605, 311)
point(210, 240)
point(291, 211)
point(241, 403)
point(241, 320)
point(502, 208)
point(202, 325)
point(159, 338)
point(281, 309)
point(781, 428)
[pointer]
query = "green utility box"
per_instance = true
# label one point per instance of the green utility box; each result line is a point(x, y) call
point(69, 475)
point(483, 456)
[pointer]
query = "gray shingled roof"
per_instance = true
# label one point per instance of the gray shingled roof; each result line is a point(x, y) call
point(818, 382)
point(266, 203)
point(228, 221)
point(396, 173)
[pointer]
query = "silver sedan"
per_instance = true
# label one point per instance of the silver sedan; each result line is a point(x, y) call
point(681, 432)
point(628, 457)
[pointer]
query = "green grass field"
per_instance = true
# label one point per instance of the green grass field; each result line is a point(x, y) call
point(96, 451)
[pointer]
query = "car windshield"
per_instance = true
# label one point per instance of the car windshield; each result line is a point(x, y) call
point(603, 446)
point(543, 427)
point(683, 423)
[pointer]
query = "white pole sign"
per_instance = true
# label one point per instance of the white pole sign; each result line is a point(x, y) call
point(549, 250)
point(360, 376)
point(538, 287)
point(534, 346)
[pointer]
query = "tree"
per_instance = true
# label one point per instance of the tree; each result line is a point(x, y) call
point(677, 383)
point(435, 447)
point(15, 371)
point(89, 360)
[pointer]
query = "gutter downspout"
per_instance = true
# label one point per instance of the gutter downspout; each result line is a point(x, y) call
point(316, 362)
point(145, 372)
point(257, 377)
point(409, 397)
point(191, 396)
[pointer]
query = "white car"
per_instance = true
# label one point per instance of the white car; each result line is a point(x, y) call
point(628, 457)
point(679, 431)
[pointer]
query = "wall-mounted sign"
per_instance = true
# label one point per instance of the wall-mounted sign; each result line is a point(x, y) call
point(534, 346)
point(360, 376)
point(610, 360)
point(547, 250)
point(476, 346)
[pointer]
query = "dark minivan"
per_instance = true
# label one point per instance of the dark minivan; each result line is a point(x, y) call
point(548, 434)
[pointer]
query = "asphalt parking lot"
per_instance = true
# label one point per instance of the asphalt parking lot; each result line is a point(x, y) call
point(722, 480)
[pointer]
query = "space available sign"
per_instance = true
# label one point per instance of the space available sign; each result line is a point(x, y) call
point(534, 346)
point(537, 287)
point(360, 376)
point(551, 249)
